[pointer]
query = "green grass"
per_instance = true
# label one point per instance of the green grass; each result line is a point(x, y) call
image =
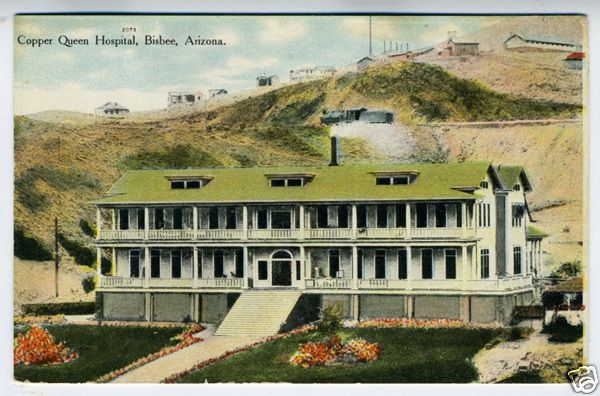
point(101, 350)
point(408, 356)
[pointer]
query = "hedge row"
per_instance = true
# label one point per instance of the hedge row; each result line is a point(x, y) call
point(65, 308)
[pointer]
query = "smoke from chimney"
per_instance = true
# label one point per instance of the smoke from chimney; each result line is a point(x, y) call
point(335, 149)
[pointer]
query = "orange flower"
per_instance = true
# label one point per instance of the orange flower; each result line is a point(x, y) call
point(37, 346)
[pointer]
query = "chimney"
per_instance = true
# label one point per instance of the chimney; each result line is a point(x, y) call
point(335, 149)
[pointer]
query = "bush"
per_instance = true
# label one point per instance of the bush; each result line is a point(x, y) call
point(87, 228)
point(28, 247)
point(568, 269)
point(82, 255)
point(519, 333)
point(561, 331)
point(65, 308)
point(331, 321)
point(88, 284)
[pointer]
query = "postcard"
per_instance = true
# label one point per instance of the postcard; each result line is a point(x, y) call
point(301, 199)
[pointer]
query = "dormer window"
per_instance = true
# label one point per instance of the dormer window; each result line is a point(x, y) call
point(295, 180)
point(395, 178)
point(188, 183)
point(484, 184)
point(517, 187)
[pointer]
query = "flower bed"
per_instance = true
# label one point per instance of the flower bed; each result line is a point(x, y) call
point(333, 351)
point(37, 347)
point(186, 339)
point(424, 323)
point(177, 376)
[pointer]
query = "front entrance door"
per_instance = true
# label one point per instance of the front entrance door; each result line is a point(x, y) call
point(281, 272)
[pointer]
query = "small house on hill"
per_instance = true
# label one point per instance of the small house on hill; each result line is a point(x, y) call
point(574, 61)
point(183, 98)
point(266, 81)
point(459, 48)
point(216, 93)
point(363, 63)
point(311, 73)
point(111, 108)
point(519, 42)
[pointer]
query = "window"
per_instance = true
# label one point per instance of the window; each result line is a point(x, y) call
point(485, 263)
point(262, 270)
point(322, 216)
point(175, 263)
point(392, 180)
point(516, 260)
point(426, 264)
point(278, 183)
point(361, 263)
point(200, 260)
point(230, 219)
point(187, 184)
point(517, 187)
point(401, 215)
point(458, 215)
point(343, 216)
point(485, 218)
point(332, 216)
point(380, 264)
point(402, 264)
point(518, 210)
point(218, 263)
point(141, 219)
point(421, 210)
point(484, 184)
point(440, 215)
point(334, 263)
point(262, 219)
point(382, 216)
point(134, 263)
point(400, 180)
point(361, 216)
point(298, 269)
point(239, 263)
point(159, 218)
point(123, 219)
point(177, 219)
point(292, 182)
point(155, 263)
point(177, 185)
point(450, 264)
point(383, 181)
point(213, 218)
point(193, 184)
point(281, 220)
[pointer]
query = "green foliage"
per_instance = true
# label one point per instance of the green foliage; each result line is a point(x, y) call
point(82, 255)
point(71, 179)
point(101, 349)
point(88, 284)
point(561, 331)
point(567, 269)
point(519, 333)
point(298, 110)
point(28, 247)
point(180, 156)
point(87, 228)
point(524, 377)
point(331, 320)
point(65, 308)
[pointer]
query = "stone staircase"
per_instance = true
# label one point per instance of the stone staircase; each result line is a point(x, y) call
point(258, 313)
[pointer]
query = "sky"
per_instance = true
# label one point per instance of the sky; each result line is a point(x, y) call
point(83, 77)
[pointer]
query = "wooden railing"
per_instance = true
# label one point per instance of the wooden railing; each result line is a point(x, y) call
point(328, 283)
point(119, 281)
point(171, 234)
point(220, 233)
point(170, 282)
point(381, 233)
point(122, 234)
point(274, 234)
point(234, 283)
point(328, 233)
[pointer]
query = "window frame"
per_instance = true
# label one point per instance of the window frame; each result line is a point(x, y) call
point(484, 260)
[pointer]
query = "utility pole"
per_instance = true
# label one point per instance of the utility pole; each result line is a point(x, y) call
point(56, 258)
point(370, 41)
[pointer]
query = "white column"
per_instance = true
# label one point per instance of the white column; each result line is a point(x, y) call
point(302, 227)
point(408, 267)
point(146, 266)
point(195, 266)
point(146, 222)
point(539, 258)
point(464, 266)
point(463, 219)
point(113, 262)
point(244, 224)
point(98, 222)
point(245, 262)
point(354, 221)
point(473, 262)
point(195, 222)
point(354, 267)
point(99, 263)
point(302, 268)
point(114, 219)
point(408, 221)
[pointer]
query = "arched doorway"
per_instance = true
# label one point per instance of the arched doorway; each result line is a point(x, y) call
point(281, 268)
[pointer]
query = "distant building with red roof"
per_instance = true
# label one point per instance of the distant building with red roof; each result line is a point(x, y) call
point(574, 61)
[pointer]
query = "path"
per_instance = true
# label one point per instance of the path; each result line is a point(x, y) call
point(156, 371)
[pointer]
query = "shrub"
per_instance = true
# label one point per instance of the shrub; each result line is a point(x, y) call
point(561, 331)
point(87, 228)
point(65, 308)
point(567, 269)
point(82, 255)
point(28, 247)
point(331, 320)
point(519, 333)
point(88, 284)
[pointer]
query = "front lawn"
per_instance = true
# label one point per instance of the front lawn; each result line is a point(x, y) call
point(408, 356)
point(101, 350)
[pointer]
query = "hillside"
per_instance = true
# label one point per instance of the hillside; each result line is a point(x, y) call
point(61, 167)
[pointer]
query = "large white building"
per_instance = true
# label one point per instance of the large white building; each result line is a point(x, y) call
point(311, 73)
point(252, 247)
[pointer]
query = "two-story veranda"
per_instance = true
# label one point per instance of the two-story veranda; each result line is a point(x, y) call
point(411, 240)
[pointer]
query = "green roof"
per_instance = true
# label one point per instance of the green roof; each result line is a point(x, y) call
point(535, 233)
point(330, 183)
point(509, 176)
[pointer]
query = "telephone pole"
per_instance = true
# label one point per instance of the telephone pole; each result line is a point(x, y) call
point(56, 258)
point(370, 41)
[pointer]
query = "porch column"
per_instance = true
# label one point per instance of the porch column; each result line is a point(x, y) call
point(302, 268)
point(539, 256)
point(354, 221)
point(146, 267)
point(146, 222)
point(244, 223)
point(473, 262)
point(354, 267)
point(195, 223)
point(195, 267)
point(408, 267)
point(114, 219)
point(98, 222)
point(98, 263)
point(245, 262)
point(302, 227)
point(408, 221)
point(465, 268)
point(463, 219)
point(113, 262)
